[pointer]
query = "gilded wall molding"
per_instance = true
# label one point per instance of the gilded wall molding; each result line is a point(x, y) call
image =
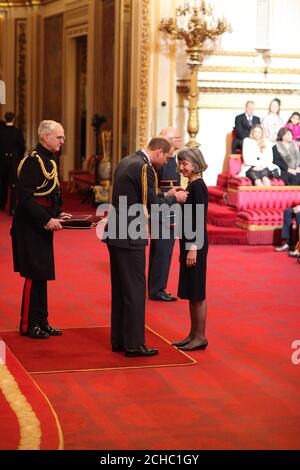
point(144, 73)
point(222, 68)
point(20, 72)
point(21, 3)
point(252, 54)
point(184, 90)
point(76, 31)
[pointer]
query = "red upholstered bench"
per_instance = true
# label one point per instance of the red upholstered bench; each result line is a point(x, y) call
point(245, 196)
point(259, 209)
point(263, 225)
point(81, 179)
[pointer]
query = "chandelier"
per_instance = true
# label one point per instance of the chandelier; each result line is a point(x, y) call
point(195, 25)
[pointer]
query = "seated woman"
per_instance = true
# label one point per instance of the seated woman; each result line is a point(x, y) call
point(286, 155)
point(272, 122)
point(258, 158)
point(294, 125)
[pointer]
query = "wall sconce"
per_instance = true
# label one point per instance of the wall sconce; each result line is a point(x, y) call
point(266, 56)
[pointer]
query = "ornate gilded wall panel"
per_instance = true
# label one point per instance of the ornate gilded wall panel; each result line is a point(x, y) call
point(107, 60)
point(52, 73)
point(20, 71)
point(144, 73)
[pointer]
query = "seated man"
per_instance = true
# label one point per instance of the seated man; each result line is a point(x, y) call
point(287, 232)
point(243, 125)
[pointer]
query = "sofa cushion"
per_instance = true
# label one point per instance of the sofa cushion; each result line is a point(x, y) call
point(251, 218)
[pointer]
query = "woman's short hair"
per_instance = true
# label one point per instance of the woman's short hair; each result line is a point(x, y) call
point(282, 132)
point(194, 156)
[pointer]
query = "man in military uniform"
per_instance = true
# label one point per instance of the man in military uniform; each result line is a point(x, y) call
point(37, 216)
point(161, 250)
point(134, 179)
point(12, 148)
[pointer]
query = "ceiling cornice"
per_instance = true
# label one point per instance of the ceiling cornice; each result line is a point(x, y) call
point(21, 3)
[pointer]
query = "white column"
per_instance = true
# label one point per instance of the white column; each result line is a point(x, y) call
point(263, 30)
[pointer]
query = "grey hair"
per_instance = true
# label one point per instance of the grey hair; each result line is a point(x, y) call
point(194, 156)
point(47, 127)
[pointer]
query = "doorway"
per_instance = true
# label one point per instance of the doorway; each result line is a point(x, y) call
point(81, 45)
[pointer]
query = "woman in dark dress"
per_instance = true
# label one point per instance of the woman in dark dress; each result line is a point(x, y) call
point(193, 250)
point(286, 155)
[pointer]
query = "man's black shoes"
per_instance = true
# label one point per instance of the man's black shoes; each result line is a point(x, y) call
point(141, 351)
point(36, 332)
point(44, 332)
point(163, 296)
point(51, 331)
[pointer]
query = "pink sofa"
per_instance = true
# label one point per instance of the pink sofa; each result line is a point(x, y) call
point(243, 195)
point(259, 210)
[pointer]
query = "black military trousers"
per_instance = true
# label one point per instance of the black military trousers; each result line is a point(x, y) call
point(34, 305)
point(128, 292)
point(160, 258)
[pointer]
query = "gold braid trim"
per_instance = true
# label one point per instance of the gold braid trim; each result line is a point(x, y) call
point(53, 175)
point(30, 426)
point(145, 187)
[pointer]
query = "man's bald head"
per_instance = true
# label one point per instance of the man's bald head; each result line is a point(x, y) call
point(173, 135)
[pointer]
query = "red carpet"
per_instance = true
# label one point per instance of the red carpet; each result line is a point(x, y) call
point(84, 349)
point(243, 393)
point(28, 421)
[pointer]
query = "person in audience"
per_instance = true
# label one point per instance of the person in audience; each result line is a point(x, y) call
point(258, 158)
point(37, 217)
point(294, 125)
point(243, 125)
point(272, 122)
point(289, 215)
point(286, 155)
point(193, 253)
point(12, 148)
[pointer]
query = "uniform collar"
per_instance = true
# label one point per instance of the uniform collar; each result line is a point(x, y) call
point(144, 155)
point(45, 152)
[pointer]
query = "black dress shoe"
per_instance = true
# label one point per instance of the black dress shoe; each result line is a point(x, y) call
point(163, 296)
point(140, 351)
point(181, 343)
point(117, 348)
point(202, 345)
point(51, 331)
point(36, 332)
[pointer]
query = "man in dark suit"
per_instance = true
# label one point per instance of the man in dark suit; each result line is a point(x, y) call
point(126, 235)
point(12, 148)
point(243, 125)
point(37, 216)
point(161, 248)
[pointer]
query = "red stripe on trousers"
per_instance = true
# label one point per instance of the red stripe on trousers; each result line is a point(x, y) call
point(27, 292)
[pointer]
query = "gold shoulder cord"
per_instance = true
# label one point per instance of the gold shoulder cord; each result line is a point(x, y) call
point(145, 183)
point(53, 175)
point(145, 187)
